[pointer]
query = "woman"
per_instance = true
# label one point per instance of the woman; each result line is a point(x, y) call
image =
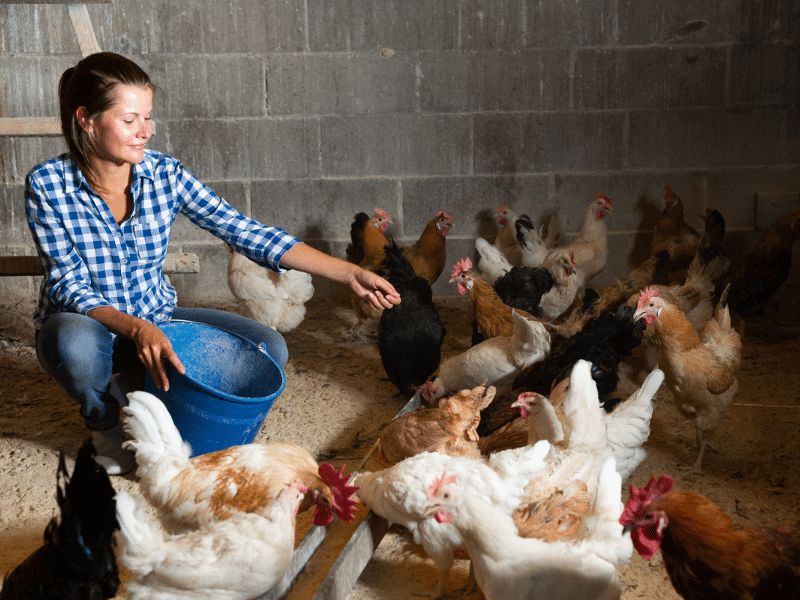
point(101, 217)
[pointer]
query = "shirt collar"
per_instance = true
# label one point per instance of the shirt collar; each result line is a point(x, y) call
point(74, 178)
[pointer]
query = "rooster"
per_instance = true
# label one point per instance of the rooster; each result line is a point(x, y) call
point(193, 492)
point(275, 299)
point(700, 370)
point(704, 554)
point(410, 334)
point(236, 559)
point(77, 559)
point(428, 255)
point(366, 249)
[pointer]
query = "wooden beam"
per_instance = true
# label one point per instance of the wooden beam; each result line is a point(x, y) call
point(79, 15)
point(23, 126)
point(18, 266)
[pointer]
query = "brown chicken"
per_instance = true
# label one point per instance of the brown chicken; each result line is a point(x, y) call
point(506, 240)
point(449, 428)
point(705, 555)
point(428, 255)
point(672, 233)
point(556, 518)
point(700, 370)
point(755, 279)
point(366, 249)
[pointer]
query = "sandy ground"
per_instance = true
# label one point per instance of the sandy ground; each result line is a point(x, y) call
point(338, 399)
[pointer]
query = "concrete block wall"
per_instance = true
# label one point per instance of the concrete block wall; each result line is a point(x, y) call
point(303, 112)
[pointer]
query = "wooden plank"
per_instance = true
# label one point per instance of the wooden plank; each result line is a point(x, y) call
point(22, 126)
point(79, 15)
point(331, 571)
point(16, 266)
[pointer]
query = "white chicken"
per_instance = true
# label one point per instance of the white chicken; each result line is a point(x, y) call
point(591, 245)
point(563, 269)
point(509, 567)
point(627, 426)
point(532, 248)
point(274, 299)
point(398, 494)
point(236, 559)
point(193, 492)
point(492, 262)
point(496, 361)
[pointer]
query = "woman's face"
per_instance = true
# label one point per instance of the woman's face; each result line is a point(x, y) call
point(123, 130)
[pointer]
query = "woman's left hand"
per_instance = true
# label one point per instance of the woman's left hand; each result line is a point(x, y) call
point(374, 289)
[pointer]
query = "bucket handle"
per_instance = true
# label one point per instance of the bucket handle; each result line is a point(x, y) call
point(263, 347)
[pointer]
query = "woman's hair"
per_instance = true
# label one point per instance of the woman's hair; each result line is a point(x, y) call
point(91, 84)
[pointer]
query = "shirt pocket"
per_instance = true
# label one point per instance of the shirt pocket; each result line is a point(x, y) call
point(152, 237)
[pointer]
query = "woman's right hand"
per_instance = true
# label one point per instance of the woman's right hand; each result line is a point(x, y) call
point(154, 348)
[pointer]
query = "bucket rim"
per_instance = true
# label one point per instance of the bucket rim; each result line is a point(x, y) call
point(218, 393)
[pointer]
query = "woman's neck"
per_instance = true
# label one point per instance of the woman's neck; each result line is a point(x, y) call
point(112, 183)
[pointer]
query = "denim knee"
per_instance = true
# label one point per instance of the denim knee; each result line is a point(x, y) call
point(77, 352)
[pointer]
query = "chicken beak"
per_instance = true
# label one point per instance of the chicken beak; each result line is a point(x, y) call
point(641, 312)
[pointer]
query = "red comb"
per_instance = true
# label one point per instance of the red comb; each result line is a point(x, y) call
point(461, 266)
point(603, 196)
point(443, 214)
point(646, 294)
point(572, 258)
point(343, 503)
point(501, 209)
point(382, 214)
point(440, 482)
point(669, 193)
point(640, 498)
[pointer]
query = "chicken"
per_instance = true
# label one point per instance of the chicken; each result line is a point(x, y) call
point(193, 492)
point(275, 299)
point(627, 426)
point(429, 253)
point(448, 428)
point(755, 279)
point(705, 555)
point(77, 558)
point(700, 370)
point(523, 288)
point(509, 567)
point(566, 282)
point(410, 334)
point(672, 233)
point(492, 263)
point(591, 245)
point(603, 341)
point(533, 249)
point(491, 315)
point(399, 492)
point(366, 249)
point(236, 559)
point(496, 361)
point(506, 240)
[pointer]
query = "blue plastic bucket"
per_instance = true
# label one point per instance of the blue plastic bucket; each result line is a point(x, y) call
point(227, 390)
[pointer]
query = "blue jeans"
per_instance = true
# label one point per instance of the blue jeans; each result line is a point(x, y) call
point(81, 355)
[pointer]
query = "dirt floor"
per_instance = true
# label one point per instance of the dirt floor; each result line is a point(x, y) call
point(338, 399)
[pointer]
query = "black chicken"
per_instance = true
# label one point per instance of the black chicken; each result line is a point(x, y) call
point(410, 334)
point(77, 559)
point(603, 341)
point(523, 288)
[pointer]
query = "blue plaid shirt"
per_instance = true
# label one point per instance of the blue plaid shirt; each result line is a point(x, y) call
point(89, 260)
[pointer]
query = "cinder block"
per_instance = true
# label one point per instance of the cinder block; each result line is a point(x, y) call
point(472, 202)
point(733, 192)
point(772, 206)
point(24, 153)
point(185, 26)
point(668, 22)
point(765, 74)
point(248, 149)
point(395, 145)
point(492, 24)
point(30, 84)
point(650, 77)
point(208, 86)
point(353, 25)
point(488, 80)
point(321, 209)
point(124, 26)
point(696, 138)
point(568, 24)
point(37, 29)
point(341, 84)
point(513, 143)
point(211, 283)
